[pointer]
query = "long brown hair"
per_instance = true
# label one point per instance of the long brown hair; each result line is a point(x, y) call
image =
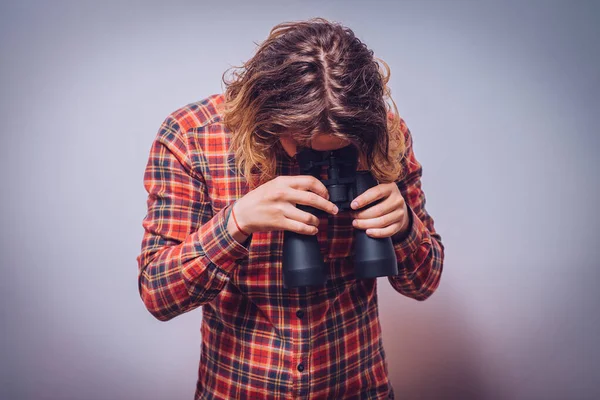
point(307, 78)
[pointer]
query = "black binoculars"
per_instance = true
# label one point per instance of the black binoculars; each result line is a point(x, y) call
point(303, 264)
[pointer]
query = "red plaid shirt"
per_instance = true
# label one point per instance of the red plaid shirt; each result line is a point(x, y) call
point(259, 339)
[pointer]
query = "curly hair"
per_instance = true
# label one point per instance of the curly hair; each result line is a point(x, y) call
point(308, 78)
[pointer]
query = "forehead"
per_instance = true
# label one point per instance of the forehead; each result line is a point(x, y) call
point(323, 142)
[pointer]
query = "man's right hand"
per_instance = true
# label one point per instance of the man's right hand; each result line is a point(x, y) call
point(272, 205)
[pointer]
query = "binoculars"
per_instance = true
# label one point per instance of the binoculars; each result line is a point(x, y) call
point(303, 264)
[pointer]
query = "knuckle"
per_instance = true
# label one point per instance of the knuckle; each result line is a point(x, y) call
point(318, 186)
point(383, 221)
point(280, 223)
point(308, 219)
point(399, 215)
point(302, 228)
point(278, 194)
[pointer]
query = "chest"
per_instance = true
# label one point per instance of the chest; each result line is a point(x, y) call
point(224, 185)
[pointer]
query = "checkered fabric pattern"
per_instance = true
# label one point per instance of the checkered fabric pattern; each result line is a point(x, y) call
point(259, 339)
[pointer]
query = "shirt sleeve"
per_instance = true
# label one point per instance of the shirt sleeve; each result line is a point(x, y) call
point(419, 249)
point(187, 253)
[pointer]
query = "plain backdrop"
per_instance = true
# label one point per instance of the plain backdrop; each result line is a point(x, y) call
point(501, 99)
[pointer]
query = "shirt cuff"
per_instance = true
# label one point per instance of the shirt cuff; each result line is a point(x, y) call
point(407, 242)
point(217, 243)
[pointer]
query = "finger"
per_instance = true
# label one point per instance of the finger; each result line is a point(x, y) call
point(299, 227)
point(291, 212)
point(388, 205)
point(314, 200)
point(379, 222)
point(308, 182)
point(370, 195)
point(384, 232)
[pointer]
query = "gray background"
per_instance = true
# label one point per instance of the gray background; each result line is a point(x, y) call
point(501, 98)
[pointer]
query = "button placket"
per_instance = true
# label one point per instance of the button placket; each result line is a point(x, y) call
point(303, 343)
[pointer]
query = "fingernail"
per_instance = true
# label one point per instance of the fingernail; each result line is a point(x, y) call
point(354, 204)
point(335, 209)
point(354, 223)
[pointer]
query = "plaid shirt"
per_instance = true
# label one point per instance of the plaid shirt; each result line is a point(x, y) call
point(259, 339)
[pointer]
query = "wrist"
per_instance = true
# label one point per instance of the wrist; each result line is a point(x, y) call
point(236, 227)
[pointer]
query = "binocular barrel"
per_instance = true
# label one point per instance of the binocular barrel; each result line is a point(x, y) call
point(303, 263)
point(374, 257)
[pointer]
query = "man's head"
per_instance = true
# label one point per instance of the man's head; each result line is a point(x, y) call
point(312, 83)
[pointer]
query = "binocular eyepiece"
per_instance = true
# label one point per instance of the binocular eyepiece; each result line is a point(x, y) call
point(303, 264)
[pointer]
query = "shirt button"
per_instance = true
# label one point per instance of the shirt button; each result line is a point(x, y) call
point(300, 367)
point(300, 314)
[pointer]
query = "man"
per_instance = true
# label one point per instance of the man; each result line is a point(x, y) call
point(223, 184)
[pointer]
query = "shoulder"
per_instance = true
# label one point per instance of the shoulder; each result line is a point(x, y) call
point(196, 115)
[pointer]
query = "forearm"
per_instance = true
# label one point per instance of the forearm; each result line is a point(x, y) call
point(177, 278)
point(420, 256)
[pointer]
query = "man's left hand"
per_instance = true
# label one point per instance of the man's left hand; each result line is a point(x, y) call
point(386, 218)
